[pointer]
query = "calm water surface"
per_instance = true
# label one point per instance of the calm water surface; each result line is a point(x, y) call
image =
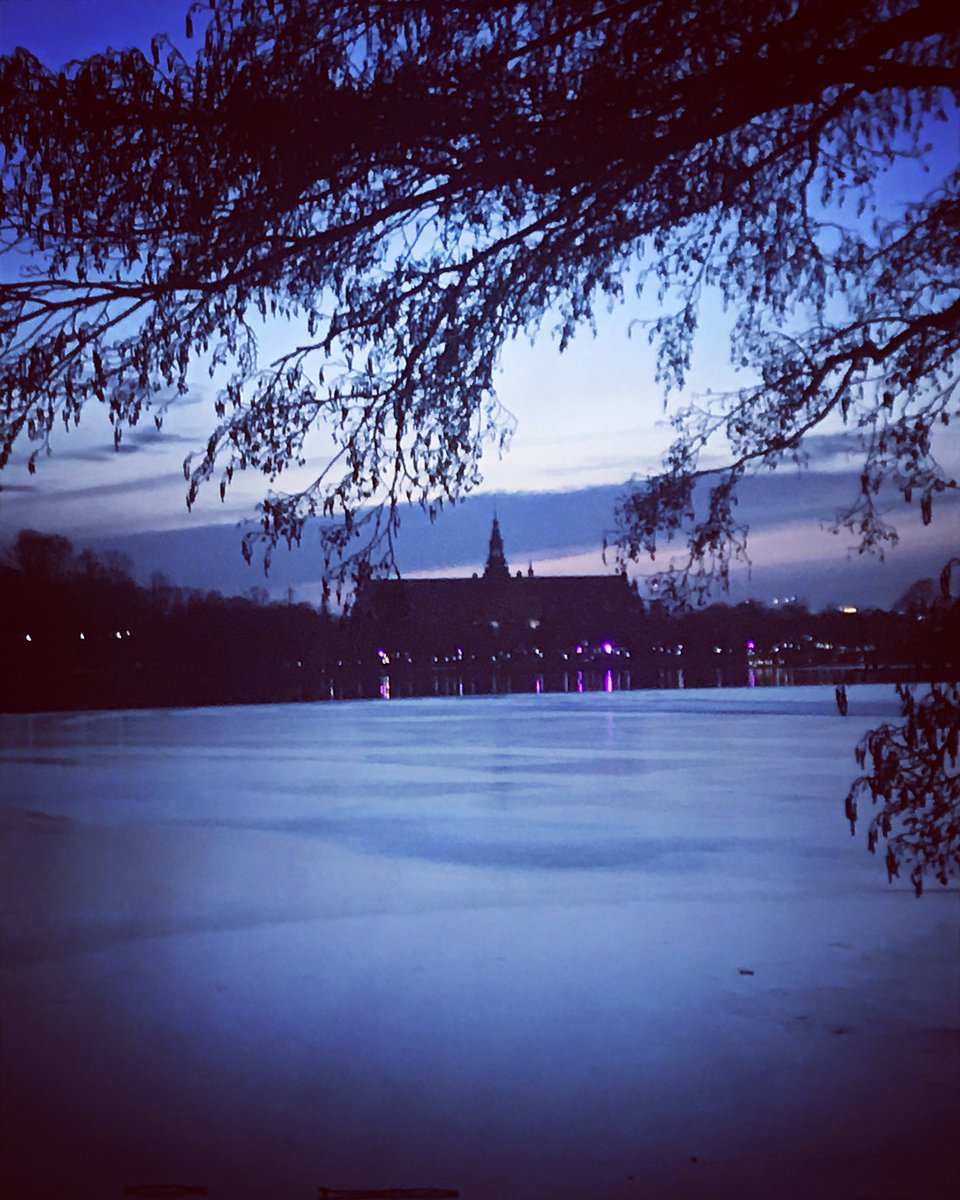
point(593, 947)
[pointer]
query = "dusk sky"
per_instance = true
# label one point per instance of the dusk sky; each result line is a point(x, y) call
point(588, 419)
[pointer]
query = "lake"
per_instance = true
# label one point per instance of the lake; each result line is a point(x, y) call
point(595, 946)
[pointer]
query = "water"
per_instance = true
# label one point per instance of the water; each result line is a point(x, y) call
point(583, 947)
point(595, 674)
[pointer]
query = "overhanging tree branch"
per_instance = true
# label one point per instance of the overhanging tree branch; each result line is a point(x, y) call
point(352, 165)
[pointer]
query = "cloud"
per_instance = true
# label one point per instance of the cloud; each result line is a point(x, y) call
point(134, 441)
point(139, 486)
point(791, 495)
point(623, 465)
point(823, 446)
point(109, 511)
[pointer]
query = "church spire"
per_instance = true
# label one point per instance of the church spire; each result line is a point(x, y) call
point(496, 560)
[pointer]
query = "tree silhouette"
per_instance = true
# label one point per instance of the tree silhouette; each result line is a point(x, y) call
point(412, 184)
point(913, 782)
point(41, 556)
point(914, 786)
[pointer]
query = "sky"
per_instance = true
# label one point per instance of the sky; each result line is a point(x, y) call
point(586, 421)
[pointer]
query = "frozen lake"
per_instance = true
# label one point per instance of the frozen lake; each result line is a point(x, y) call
point(583, 947)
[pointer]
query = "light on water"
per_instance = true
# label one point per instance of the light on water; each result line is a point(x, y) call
point(577, 946)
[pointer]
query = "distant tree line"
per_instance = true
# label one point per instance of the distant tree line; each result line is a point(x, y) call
point(79, 632)
point(790, 635)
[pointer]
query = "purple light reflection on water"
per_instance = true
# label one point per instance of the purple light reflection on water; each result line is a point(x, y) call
point(608, 682)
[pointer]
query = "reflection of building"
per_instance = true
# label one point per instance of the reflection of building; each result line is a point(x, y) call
point(498, 612)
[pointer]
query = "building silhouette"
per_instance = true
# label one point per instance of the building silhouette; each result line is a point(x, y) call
point(498, 614)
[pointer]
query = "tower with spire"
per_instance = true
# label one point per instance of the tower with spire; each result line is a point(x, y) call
point(497, 614)
point(496, 568)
